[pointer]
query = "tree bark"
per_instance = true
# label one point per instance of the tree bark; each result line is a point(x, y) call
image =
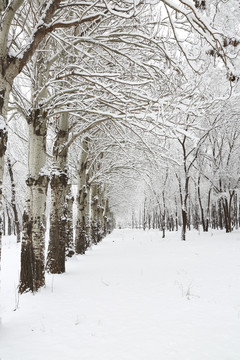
point(164, 216)
point(32, 275)
point(13, 201)
point(227, 209)
point(9, 222)
point(58, 223)
point(176, 214)
point(214, 216)
point(4, 97)
point(144, 216)
point(220, 214)
point(69, 243)
point(94, 212)
point(183, 200)
point(106, 217)
point(82, 236)
point(59, 207)
point(100, 212)
point(235, 211)
point(184, 224)
point(204, 221)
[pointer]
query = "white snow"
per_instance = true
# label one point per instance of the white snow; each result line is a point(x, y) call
point(135, 296)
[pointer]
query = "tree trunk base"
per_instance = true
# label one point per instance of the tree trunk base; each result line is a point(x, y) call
point(32, 271)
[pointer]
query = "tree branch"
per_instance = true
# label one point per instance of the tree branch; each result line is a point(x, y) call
point(43, 28)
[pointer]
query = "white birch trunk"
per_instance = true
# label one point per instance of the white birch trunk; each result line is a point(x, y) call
point(87, 212)
point(100, 212)
point(106, 217)
point(5, 87)
point(70, 250)
point(82, 227)
point(8, 71)
point(13, 201)
point(94, 213)
point(32, 275)
point(3, 146)
point(59, 220)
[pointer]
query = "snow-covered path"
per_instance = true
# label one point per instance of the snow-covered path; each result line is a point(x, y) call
point(135, 296)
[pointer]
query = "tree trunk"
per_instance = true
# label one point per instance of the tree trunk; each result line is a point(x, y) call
point(58, 223)
point(4, 97)
point(94, 221)
point(214, 216)
point(149, 220)
point(13, 201)
point(227, 209)
point(107, 219)
point(59, 208)
point(111, 223)
point(100, 212)
point(184, 224)
point(82, 240)
point(32, 275)
point(4, 224)
point(220, 214)
point(205, 227)
point(183, 200)
point(144, 216)
point(164, 216)
point(235, 211)
point(239, 214)
point(226, 214)
point(87, 214)
point(9, 223)
point(69, 244)
point(176, 214)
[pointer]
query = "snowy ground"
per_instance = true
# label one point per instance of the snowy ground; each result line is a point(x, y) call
point(135, 296)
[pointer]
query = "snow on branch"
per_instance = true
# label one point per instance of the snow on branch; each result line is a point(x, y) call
point(201, 26)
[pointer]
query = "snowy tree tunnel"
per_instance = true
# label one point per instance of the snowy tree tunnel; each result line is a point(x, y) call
point(119, 179)
point(135, 105)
